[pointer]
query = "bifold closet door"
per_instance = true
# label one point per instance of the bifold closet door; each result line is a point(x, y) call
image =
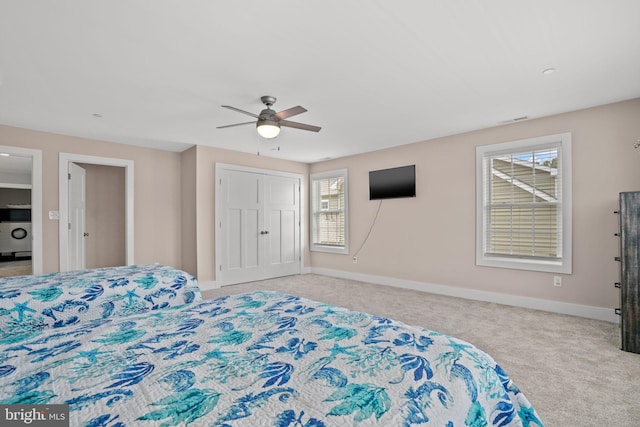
point(259, 226)
point(282, 210)
point(241, 223)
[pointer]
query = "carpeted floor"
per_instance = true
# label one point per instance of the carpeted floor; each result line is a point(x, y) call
point(570, 368)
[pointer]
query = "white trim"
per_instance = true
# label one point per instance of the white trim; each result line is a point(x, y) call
point(563, 142)
point(63, 203)
point(16, 186)
point(239, 168)
point(587, 311)
point(207, 285)
point(217, 216)
point(36, 202)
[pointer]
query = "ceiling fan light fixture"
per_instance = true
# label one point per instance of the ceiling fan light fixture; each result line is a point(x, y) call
point(269, 122)
point(268, 129)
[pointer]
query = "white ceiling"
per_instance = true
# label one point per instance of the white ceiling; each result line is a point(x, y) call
point(373, 74)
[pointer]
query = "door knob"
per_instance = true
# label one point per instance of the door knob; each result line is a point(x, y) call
point(264, 232)
point(85, 234)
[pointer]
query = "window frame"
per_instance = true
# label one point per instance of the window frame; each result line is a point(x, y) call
point(562, 264)
point(315, 204)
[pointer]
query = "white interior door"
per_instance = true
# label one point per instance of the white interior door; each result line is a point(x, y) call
point(282, 212)
point(259, 226)
point(77, 217)
point(241, 226)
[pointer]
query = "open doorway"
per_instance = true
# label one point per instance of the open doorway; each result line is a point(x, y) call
point(16, 246)
point(103, 237)
point(96, 216)
point(20, 211)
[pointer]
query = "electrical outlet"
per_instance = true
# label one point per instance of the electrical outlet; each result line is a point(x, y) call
point(355, 259)
point(557, 281)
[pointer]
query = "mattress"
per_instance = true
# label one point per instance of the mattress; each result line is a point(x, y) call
point(255, 359)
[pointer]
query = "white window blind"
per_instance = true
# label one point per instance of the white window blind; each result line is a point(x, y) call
point(522, 204)
point(329, 211)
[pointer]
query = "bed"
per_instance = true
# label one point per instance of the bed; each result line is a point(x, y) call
point(137, 346)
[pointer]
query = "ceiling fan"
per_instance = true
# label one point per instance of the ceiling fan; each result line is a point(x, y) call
point(268, 121)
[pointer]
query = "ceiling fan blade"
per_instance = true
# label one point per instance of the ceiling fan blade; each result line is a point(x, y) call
point(289, 112)
point(297, 125)
point(241, 111)
point(237, 124)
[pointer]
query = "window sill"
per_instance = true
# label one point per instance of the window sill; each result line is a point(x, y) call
point(562, 266)
point(330, 249)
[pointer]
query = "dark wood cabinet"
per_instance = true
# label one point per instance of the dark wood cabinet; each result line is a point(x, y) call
point(629, 234)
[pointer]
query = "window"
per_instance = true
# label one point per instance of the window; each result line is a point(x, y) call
point(523, 210)
point(329, 212)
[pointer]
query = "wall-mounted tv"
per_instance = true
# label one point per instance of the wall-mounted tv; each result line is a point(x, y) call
point(392, 183)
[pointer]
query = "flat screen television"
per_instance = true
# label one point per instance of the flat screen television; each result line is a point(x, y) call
point(392, 183)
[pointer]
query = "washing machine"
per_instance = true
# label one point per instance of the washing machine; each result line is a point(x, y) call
point(15, 238)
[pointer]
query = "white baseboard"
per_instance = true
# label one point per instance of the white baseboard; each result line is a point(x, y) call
point(206, 285)
point(598, 313)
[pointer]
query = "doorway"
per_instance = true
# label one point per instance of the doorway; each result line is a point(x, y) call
point(69, 246)
point(21, 216)
point(258, 224)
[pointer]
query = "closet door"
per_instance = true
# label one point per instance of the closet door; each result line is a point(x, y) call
point(282, 218)
point(258, 228)
point(242, 221)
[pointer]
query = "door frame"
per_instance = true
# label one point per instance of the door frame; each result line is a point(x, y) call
point(63, 203)
point(36, 202)
point(219, 275)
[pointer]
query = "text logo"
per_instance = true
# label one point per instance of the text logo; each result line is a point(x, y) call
point(34, 415)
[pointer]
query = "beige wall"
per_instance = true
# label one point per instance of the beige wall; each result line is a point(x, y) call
point(156, 189)
point(174, 196)
point(431, 239)
point(189, 216)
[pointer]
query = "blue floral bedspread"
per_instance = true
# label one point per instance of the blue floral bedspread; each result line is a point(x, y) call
point(30, 305)
point(259, 359)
